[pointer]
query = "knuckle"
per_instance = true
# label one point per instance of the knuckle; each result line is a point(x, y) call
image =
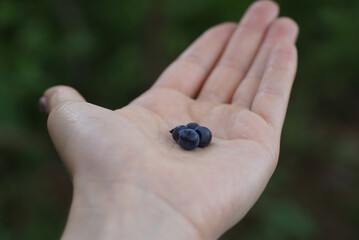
point(195, 59)
point(232, 64)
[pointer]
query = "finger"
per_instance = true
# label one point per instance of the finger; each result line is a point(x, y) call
point(282, 30)
point(239, 52)
point(188, 72)
point(58, 95)
point(63, 121)
point(61, 102)
point(272, 96)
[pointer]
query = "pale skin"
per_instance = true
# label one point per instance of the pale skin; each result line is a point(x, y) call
point(132, 181)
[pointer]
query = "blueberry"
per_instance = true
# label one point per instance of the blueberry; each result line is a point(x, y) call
point(192, 125)
point(175, 132)
point(205, 136)
point(188, 139)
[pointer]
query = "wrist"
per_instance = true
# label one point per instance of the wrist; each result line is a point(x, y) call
point(128, 212)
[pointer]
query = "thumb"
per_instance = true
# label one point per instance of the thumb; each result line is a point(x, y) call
point(57, 96)
point(63, 104)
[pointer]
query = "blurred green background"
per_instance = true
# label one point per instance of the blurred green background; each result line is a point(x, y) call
point(112, 50)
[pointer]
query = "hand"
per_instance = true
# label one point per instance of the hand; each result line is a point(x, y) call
point(130, 177)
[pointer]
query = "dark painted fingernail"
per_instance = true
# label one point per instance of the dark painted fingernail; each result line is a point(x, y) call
point(43, 106)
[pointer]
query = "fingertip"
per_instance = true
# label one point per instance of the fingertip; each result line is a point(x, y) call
point(224, 27)
point(266, 5)
point(260, 14)
point(287, 24)
point(58, 95)
point(283, 29)
point(290, 22)
point(220, 31)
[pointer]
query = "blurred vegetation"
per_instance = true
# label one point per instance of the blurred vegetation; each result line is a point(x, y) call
point(113, 50)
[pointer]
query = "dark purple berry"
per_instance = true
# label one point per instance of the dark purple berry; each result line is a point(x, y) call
point(188, 139)
point(205, 136)
point(175, 132)
point(192, 125)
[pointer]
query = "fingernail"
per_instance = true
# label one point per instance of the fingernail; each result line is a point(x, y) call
point(43, 106)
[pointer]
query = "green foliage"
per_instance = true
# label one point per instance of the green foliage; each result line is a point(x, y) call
point(113, 50)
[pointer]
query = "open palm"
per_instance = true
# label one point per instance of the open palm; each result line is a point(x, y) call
point(235, 80)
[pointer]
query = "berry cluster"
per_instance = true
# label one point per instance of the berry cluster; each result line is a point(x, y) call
point(191, 136)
